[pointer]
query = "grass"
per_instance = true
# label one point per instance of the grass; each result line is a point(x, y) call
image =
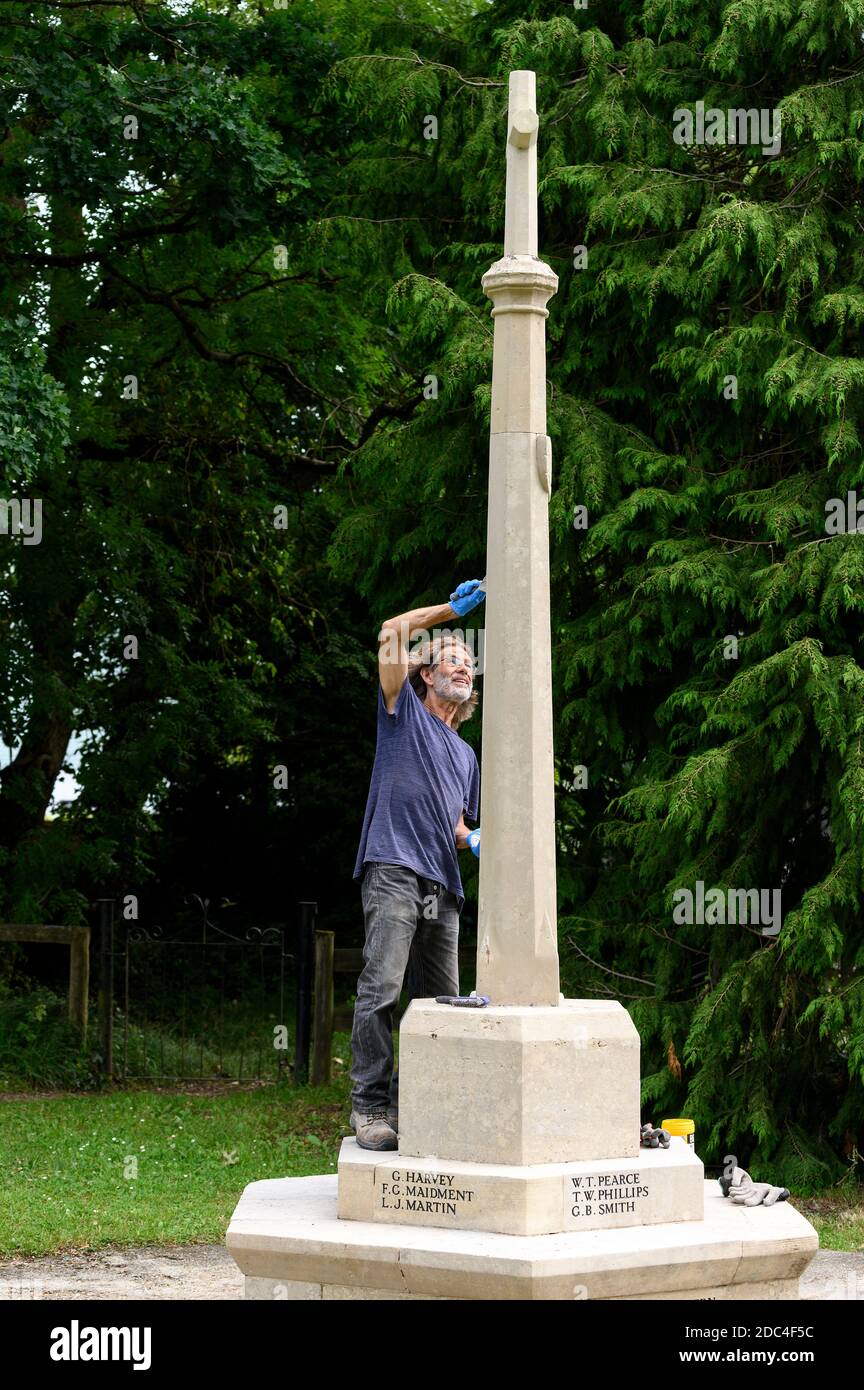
point(38, 1046)
point(164, 1167)
point(230, 1039)
point(156, 1167)
point(159, 1165)
point(838, 1219)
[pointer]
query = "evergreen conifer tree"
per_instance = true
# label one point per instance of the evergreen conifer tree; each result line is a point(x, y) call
point(705, 401)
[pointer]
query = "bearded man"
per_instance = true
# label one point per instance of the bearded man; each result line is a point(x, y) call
point(425, 780)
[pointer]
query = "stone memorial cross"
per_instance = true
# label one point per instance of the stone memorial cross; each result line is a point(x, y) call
point(517, 950)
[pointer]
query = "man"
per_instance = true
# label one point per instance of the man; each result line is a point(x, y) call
point(425, 780)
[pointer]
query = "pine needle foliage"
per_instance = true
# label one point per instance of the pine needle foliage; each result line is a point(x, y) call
point(706, 391)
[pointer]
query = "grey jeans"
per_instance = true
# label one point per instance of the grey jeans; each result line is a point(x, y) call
point(412, 925)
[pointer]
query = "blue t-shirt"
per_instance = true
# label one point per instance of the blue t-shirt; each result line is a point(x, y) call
point(424, 777)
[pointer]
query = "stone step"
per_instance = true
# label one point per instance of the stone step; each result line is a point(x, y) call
point(661, 1185)
point(288, 1241)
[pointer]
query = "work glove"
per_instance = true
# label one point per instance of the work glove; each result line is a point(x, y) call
point(474, 841)
point(651, 1138)
point(745, 1192)
point(467, 596)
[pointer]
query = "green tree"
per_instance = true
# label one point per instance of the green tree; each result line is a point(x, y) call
point(176, 385)
point(704, 404)
point(705, 398)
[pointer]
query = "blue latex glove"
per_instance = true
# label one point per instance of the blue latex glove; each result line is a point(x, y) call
point(466, 597)
point(474, 841)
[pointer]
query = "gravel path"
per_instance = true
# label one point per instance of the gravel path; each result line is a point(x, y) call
point(182, 1272)
point(149, 1272)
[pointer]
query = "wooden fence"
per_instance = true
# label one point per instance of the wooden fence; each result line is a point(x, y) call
point(78, 941)
point(326, 963)
point(316, 959)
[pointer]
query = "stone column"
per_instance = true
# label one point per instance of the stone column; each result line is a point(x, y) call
point(517, 952)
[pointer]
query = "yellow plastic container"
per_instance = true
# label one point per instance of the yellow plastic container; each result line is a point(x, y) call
point(685, 1128)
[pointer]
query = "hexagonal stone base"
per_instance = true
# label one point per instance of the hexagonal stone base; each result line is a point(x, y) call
point(661, 1185)
point(288, 1241)
point(281, 1290)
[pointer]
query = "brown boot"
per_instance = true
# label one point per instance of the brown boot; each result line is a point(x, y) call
point(373, 1130)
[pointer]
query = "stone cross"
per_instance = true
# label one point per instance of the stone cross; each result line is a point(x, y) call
point(517, 947)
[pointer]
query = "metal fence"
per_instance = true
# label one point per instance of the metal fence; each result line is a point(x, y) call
point(196, 1000)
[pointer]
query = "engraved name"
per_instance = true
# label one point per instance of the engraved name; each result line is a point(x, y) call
point(606, 1194)
point(434, 1192)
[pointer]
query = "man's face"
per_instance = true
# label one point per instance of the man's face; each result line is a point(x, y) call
point(453, 675)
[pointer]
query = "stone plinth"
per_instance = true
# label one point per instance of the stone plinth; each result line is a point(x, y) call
point(520, 1084)
point(661, 1185)
point(286, 1238)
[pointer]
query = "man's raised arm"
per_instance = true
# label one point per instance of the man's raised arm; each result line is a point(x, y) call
point(397, 632)
point(393, 642)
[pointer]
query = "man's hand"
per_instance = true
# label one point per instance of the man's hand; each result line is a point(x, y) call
point(467, 839)
point(466, 596)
